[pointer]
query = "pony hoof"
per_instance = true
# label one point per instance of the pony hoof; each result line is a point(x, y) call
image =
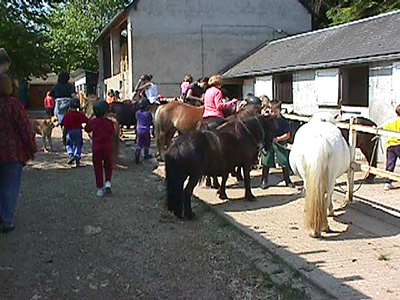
point(190, 216)
point(315, 234)
point(178, 214)
point(327, 230)
point(222, 196)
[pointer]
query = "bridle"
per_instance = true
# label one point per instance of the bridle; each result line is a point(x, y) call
point(260, 143)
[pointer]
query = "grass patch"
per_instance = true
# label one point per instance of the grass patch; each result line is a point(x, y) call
point(384, 257)
point(264, 282)
point(224, 223)
point(289, 293)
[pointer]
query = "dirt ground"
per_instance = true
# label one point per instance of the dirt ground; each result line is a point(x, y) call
point(71, 244)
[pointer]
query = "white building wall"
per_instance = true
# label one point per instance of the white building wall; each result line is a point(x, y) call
point(248, 87)
point(304, 93)
point(382, 96)
point(263, 86)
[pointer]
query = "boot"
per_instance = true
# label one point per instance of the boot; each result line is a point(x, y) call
point(286, 177)
point(137, 157)
point(264, 178)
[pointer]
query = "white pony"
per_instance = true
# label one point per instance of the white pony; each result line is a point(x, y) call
point(319, 155)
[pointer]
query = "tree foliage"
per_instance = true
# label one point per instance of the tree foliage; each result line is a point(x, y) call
point(73, 28)
point(334, 12)
point(21, 33)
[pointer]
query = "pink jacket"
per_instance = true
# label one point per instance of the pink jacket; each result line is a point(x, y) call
point(213, 104)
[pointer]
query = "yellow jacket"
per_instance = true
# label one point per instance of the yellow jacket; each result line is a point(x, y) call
point(393, 126)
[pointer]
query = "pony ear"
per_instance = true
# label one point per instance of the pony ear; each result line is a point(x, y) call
point(338, 117)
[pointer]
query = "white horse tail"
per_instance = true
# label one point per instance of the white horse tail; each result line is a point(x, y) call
point(317, 183)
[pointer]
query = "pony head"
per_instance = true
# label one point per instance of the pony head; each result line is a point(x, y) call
point(325, 116)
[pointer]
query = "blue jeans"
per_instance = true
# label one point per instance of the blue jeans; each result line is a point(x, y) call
point(74, 142)
point(10, 183)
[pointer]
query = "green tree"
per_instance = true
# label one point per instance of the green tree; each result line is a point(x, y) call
point(351, 10)
point(21, 33)
point(73, 28)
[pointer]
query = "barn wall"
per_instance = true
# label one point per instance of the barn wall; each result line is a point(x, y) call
point(172, 38)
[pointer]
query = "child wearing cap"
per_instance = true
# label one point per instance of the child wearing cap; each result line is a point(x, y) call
point(102, 146)
point(72, 123)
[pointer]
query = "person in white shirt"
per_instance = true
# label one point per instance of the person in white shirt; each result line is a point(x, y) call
point(149, 89)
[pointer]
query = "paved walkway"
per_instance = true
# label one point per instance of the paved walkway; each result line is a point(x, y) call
point(360, 260)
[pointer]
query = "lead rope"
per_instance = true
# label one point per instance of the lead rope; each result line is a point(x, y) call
point(377, 139)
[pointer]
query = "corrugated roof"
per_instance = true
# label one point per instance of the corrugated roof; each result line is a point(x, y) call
point(375, 38)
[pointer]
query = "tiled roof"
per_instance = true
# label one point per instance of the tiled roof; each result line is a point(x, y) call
point(373, 39)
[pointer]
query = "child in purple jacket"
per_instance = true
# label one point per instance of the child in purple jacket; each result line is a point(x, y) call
point(144, 120)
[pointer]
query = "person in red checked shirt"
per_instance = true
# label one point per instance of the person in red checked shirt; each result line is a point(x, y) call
point(72, 123)
point(17, 146)
point(102, 146)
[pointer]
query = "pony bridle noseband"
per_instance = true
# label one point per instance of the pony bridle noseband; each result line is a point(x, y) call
point(261, 143)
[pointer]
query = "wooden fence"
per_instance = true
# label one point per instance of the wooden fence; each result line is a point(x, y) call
point(353, 129)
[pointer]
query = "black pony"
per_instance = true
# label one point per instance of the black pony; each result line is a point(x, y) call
point(213, 153)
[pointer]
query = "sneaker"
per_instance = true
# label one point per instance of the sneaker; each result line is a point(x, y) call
point(7, 229)
point(71, 160)
point(388, 186)
point(77, 162)
point(148, 156)
point(100, 192)
point(108, 187)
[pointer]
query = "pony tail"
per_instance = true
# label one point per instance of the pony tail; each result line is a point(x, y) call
point(317, 187)
point(157, 129)
point(174, 181)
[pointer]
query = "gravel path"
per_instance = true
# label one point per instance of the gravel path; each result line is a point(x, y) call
point(70, 244)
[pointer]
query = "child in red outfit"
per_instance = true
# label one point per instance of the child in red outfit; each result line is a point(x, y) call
point(72, 123)
point(102, 140)
point(49, 104)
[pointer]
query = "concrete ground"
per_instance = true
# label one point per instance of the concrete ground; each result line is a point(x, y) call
point(359, 260)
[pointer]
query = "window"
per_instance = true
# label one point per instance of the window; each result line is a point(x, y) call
point(283, 88)
point(354, 86)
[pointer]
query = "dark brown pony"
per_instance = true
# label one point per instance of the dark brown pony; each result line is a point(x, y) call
point(243, 113)
point(181, 117)
point(213, 153)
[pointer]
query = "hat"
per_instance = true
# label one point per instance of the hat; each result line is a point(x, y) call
point(100, 108)
point(74, 103)
point(144, 103)
point(253, 100)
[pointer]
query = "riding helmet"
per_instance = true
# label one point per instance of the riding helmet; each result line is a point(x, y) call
point(253, 100)
point(74, 103)
point(100, 108)
point(144, 103)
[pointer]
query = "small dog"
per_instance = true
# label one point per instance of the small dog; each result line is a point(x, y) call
point(44, 127)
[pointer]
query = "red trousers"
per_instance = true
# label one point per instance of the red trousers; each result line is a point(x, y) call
point(102, 157)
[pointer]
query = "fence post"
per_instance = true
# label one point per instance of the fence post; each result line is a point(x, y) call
point(350, 173)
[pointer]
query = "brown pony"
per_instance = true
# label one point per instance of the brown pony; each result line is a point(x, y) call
point(172, 117)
